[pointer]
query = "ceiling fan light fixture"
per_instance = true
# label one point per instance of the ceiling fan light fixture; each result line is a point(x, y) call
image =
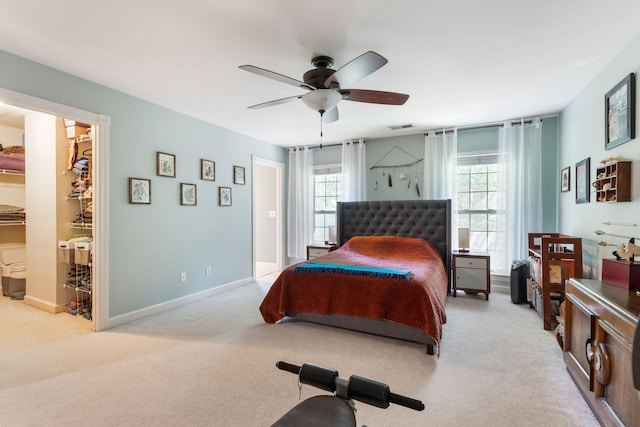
point(322, 100)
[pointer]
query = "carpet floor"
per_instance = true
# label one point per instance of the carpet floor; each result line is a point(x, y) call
point(212, 363)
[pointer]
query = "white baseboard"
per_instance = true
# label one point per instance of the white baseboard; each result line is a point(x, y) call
point(158, 308)
point(43, 305)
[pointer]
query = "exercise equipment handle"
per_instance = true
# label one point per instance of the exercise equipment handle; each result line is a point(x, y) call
point(408, 402)
point(284, 366)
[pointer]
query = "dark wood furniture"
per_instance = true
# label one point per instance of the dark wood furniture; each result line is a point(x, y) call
point(471, 273)
point(600, 323)
point(613, 182)
point(554, 258)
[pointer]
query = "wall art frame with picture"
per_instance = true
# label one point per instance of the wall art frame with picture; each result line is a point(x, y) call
point(238, 175)
point(565, 179)
point(583, 187)
point(207, 170)
point(165, 164)
point(224, 196)
point(188, 194)
point(620, 113)
point(139, 191)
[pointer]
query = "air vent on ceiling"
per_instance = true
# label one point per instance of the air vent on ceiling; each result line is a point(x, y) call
point(397, 127)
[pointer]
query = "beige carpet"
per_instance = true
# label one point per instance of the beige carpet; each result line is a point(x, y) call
point(211, 363)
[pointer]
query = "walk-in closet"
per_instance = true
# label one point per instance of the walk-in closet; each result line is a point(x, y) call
point(46, 212)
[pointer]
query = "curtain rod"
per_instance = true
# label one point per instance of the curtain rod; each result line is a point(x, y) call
point(337, 144)
point(488, 126)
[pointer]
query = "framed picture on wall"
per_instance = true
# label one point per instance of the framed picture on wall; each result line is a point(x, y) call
point(139, 191)
point(619, 110)
point(565, 179)
point(582, 181)
point(207, 170)
point(165, 164)
point(224, 196)
point(238, 175)
point(188, 194)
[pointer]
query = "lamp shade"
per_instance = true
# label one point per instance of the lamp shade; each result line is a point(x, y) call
point(333, 234)
point(322, 100)
point(463, 239)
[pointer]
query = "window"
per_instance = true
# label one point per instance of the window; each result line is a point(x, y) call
point(327, 193)
point(481, 204)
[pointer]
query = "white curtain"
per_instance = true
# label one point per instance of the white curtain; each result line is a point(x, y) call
point(354, 170)
point(440, 163)
point(520, 150)
point(300, 208)
point(441, 158)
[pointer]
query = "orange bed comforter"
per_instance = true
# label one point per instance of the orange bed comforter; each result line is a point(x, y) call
point(417, 302)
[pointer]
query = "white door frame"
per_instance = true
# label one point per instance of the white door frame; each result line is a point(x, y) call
point(100, 263)
point(255, 160)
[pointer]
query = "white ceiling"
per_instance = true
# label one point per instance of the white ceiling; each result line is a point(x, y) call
point(462, 62)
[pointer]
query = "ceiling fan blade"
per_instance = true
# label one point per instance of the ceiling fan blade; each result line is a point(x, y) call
point(357, 69)
point(374, 96)
point(331, 115)
point(275, 102)
point(275, 76)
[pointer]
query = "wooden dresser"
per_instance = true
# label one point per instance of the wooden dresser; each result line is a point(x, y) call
point(600, 322)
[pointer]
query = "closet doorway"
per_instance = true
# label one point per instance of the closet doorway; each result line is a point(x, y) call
point(47, 213)
point(268, 218)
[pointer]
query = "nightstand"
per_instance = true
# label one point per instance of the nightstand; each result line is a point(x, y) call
point(316, 250)
point(471, 273)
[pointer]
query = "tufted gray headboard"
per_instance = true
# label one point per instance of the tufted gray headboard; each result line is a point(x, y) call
point(425, 219)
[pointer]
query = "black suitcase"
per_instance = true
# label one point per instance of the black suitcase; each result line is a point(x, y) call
point(519, 274)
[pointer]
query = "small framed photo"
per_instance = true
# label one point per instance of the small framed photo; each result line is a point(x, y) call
point(188, 194)
point(207, 170)
point(565, 179)
point(139, 191)
point(238, 175)
point(165, 164)
point(620, 115)
point(582, 181)
point(224, 196)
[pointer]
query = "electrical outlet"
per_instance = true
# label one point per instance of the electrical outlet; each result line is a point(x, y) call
point(183, 276)
point(207, 270)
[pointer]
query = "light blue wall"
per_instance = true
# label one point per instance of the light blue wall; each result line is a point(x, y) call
point(550, 174)
point(472, 141)
point(478, 140)
point(582, 136)
point(151, 244)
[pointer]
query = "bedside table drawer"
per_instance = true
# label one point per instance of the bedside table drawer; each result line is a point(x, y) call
point(469, 262)
point(316, 252)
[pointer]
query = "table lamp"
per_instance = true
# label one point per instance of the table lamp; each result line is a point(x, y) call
point(463, 239)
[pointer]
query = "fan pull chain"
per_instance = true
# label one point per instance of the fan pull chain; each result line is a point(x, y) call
point(321, 132)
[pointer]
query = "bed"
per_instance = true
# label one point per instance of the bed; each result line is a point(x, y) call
point(379, 242)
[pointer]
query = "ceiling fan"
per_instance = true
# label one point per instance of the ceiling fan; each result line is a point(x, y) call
point(326, 87)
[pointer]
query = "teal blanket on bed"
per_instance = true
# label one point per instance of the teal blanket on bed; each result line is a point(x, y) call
point(310, 267)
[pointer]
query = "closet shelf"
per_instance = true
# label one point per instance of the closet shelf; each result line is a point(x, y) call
point(77, 288)
point(80, 226)
point(11, 172)
point(12, 223)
